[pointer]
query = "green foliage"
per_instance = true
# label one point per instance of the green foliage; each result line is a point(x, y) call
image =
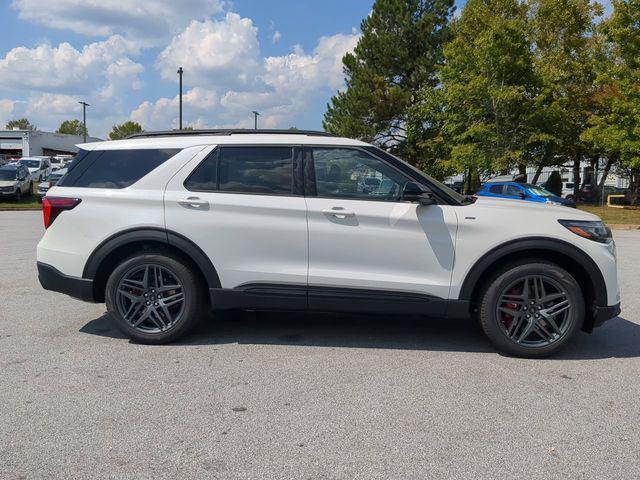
point(398, 52)
point(20, 123)
point(508, 84)
point(484, 107)
point(614, 127)
point(72, 127)
point(125, 129)
point(554, 183)
point(563, 41)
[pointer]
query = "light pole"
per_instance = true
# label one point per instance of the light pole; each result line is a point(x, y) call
point(255, 120)
point(84, 119)
point(180, 72)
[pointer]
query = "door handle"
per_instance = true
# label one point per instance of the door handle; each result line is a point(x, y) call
point(194, 202)
point(338, 212)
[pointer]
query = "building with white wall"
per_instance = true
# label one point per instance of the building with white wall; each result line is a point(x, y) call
point(26, 143)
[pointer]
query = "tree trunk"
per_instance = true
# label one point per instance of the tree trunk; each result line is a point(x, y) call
point(634, 185)
point(538, 173)
point(576, 177)
point(605, 173)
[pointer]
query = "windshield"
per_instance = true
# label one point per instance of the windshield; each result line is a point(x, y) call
point(7, 174)
point(539, 191)
point(30, 163)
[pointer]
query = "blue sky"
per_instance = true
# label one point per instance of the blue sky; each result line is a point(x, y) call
point(281, 57)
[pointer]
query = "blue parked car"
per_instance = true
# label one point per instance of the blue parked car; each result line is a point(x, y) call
point(522, 191)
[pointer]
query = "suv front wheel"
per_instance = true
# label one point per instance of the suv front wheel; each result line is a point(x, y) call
point(532, 309)
point(154, 298)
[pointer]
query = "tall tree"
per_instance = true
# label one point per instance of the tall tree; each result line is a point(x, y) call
point(398, 52)
point(72, 127)
point(482, 115)
point(614, 128)
point(125, 129)
point(563, 41)
point(20, 123)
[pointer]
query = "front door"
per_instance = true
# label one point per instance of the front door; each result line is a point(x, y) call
point(364, 240)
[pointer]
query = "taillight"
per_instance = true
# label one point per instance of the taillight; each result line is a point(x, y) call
point(53, 206)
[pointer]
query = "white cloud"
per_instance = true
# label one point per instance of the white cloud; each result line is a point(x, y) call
point(63, 69)
point(214, 53)
point(148, 21)
point(6, 111)
point(163, 114)
point(281, 87)
point(276, 37)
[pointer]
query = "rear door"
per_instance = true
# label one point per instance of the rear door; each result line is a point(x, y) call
point(244, 207)
point(363, 237)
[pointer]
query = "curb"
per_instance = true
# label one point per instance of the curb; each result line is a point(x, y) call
point(18, 209)
point(623, 226)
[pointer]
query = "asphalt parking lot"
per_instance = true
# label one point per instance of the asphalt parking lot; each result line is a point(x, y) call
point(288, 396)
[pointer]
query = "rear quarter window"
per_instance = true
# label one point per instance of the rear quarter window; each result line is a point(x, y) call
point(114, 168)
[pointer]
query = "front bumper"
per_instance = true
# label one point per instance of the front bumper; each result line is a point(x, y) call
point(53, 279)
point(602, 314)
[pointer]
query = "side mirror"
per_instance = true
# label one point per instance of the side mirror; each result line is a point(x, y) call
point(412, 192)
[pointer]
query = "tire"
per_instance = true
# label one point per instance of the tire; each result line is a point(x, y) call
point(30, 191)
point(18, 195)
point(551, 324)
point(570, 197)
point(129, 298)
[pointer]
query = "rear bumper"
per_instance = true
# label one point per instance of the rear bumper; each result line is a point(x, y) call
point(602, 314)
point(56, 281)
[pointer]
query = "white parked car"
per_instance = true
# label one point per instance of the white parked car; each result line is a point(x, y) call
point(39, 167)
point(162, 225)
point(49, 182)
point(14, 181)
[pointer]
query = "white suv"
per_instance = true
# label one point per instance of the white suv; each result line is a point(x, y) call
point(162, 225)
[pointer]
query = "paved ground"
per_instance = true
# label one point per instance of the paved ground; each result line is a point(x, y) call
point(280, 396)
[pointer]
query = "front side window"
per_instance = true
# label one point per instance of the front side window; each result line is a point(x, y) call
point(495, 189)
point(512, 191)
point(351, 173)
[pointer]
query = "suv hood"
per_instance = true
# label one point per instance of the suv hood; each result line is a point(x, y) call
point(524, 206)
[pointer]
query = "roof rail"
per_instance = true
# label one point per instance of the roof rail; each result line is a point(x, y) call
point(231, 131)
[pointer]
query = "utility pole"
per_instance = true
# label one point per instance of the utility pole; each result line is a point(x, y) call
point(180, 72)
point(255, 120)
point(84, 119)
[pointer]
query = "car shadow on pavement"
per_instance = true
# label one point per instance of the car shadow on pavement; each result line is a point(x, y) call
point(618, 338)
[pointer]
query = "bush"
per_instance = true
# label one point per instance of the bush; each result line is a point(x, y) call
point(554, 183)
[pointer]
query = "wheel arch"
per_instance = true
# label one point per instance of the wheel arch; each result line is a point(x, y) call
point(562, 253)
point(116, 248)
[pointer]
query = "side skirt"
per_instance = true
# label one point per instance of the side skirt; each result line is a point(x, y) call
point(332, 299)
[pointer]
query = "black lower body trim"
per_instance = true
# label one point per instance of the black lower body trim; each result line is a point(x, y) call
point(602, 314)
point(332, 299)
point(53, 279)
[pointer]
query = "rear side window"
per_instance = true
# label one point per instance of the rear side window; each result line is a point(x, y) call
point(260, 170)
point(497, 189)
point(114, 168)
point(267, 170)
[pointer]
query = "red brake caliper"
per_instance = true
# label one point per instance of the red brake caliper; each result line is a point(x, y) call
point(506, 318)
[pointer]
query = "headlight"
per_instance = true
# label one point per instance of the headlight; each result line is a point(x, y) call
point(596, 231)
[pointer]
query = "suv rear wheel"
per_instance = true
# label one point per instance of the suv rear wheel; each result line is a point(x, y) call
point(532, 309)
point(154, 298)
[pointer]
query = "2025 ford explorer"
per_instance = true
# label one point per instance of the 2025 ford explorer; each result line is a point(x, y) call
point(163, 225)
